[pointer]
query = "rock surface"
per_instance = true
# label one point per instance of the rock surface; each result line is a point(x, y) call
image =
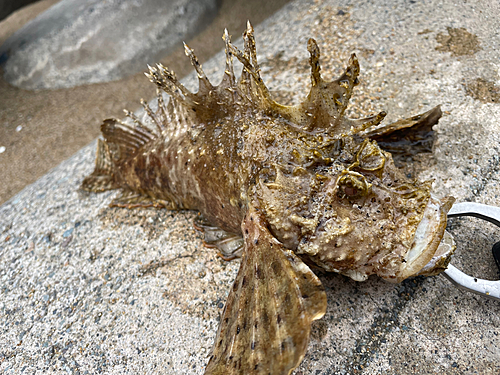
point(89, 289)
point(79, 42)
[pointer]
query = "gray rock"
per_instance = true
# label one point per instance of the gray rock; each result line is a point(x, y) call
point(88, 289)
point(79, 42)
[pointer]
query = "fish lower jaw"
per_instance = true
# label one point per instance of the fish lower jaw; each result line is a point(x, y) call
point(441, 258)
point(432, 245)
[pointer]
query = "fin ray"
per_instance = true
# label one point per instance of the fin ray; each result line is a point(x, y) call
point(128, 139)
point(102, 177)
point(130, 199)
point(265, 326)
point(153, 116)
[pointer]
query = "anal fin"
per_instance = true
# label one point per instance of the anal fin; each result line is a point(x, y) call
point(131, 199)
point(266, 323)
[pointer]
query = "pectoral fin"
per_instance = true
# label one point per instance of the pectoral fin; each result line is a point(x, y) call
point(266, 322)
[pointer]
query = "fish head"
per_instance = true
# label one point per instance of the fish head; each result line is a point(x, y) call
point(360, 215)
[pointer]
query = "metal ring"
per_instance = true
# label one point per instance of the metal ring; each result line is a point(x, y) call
point(487, 288)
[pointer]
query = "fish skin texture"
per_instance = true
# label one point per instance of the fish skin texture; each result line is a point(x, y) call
point(284, 187)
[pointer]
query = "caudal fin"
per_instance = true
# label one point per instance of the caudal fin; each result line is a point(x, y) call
point(102, 178)
point(121, 142)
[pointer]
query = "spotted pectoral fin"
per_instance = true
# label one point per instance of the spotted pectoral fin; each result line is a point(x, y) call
point(230, 245)
point(131, 199)
point(266, 323)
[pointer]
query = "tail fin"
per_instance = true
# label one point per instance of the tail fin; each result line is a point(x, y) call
point(102, 178)
point(121, 142)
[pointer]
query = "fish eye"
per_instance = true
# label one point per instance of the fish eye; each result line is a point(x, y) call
point(352, 184)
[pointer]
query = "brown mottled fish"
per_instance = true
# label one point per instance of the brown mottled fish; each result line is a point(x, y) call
point(287, 188)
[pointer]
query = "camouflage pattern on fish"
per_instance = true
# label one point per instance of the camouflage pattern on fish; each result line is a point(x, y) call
point(286, 188)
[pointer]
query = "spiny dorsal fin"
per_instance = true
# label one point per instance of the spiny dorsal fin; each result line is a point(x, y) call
point(211, 102)
point(323, 111)
point(266, 322)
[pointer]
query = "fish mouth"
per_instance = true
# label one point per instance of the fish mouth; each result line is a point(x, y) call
point(432, 246)
point(439, 262)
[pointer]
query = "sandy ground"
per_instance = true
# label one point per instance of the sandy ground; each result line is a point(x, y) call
point(40, 129)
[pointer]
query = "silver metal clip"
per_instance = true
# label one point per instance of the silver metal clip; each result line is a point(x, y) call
point(487, 288)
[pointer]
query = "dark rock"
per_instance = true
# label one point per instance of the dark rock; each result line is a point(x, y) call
point(9, 6)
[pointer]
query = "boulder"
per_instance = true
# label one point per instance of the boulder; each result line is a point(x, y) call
point(78, 42)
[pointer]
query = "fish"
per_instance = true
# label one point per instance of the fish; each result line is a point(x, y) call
point(291, 190)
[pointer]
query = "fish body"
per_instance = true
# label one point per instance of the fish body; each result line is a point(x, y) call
point(286, 188)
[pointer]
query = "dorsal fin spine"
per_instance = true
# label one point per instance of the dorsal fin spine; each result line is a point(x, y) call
point(204, 82)
point(133, 117)
point(313, 49)
point(352, 72)
point(152, 115)
point(249, 37)
point(161, 111)
point(229, 71)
